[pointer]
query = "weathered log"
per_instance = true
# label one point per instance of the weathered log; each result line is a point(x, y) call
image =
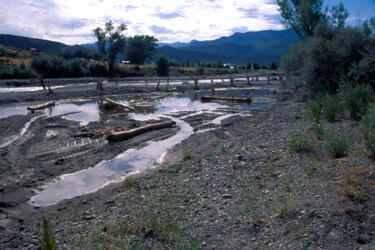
point(41, 106)
point(119, 104)
point(125, 135)
point(225, 99)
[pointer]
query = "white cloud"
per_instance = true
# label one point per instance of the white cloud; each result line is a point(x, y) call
point(72, 21)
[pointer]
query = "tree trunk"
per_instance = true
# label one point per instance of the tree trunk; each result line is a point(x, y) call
point(41, 106)
point(227, 99)
point(125, 135)
point(119, 104)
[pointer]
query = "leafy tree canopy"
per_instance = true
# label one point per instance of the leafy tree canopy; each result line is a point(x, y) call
point(162, 66)
point(111, 41)
point(304, 15)
point(140, 48)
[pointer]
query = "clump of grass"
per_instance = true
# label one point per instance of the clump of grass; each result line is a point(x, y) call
point(300, 140)
point(338, 145)
point(356, 182)
point(315, 107)
point(368, 130)
point(356, 99)
point(318, 130)
point(156, 224)
point(309, 169)
point(286, 198)
point(129, 182)
point(47, 241)
point(187, 156)
point(332, 107)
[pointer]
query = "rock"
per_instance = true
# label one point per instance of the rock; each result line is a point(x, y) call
point(89, 217)
point(110, 202)
point(150, 234)
point(363, 239)
point(227, 196)
point(240, 158)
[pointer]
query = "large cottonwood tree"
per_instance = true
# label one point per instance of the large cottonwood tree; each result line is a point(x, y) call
point(111, 41)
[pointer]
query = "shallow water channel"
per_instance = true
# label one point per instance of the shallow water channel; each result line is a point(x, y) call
point(177, 108)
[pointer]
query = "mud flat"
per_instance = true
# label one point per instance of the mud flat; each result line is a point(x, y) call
point(222, 178)
point(59, 154)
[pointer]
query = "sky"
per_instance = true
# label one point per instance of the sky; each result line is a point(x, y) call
point(73, 21)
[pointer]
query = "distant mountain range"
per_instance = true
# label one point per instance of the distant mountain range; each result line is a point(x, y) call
point(240, 48)
point(41, 45)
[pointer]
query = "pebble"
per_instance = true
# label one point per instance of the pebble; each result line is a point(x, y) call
point(227, 196)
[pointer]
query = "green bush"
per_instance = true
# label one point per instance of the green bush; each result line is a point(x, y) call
point(14, 71)
point(368, 129)
point(47, 241)
point(332, 107)
point(54, 66)
point(162, 66)
point(98, 69)
point(356, 98)
point(301, 141)
point(315, 107)
point(338, 145)
point(323, 58)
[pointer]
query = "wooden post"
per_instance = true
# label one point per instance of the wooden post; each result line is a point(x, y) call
point(231, 79)
point(157, 85)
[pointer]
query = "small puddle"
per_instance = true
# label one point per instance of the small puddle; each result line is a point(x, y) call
point(7, 112)
point(84, 113)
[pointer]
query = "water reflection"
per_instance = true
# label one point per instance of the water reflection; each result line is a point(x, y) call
point(92, 179)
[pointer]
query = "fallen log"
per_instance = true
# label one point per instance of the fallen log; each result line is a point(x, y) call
point(41, 106)
point(119, 104)
point(125, 135)
point(225, 99)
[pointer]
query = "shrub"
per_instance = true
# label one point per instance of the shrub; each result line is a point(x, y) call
point(338, 145)
point(326, 56)
point(14, 71)
point(54, 66)
point(98, 69)
point(356, 98)
point(162, 66)
point(332, 107)
point(47, 241)
point(368, 129)
point(315, 107)
point(300, 141)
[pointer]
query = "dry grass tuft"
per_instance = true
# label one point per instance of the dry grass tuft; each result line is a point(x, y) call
point(356, 182)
